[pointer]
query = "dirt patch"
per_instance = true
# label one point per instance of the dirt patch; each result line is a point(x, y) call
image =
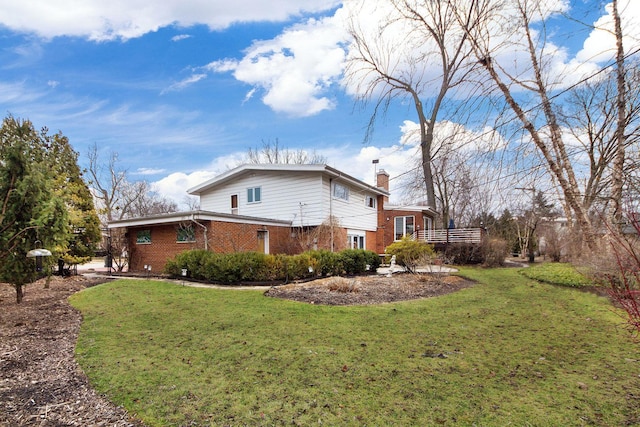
point(375, 289)
point(41, 384)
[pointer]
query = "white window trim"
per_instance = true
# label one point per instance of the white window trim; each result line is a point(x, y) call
point(338, 197)
point(252, 190)
point(373, 199)
point(404, 226)
point(361, 235)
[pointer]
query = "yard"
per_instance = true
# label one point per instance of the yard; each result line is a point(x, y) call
point(505, 351)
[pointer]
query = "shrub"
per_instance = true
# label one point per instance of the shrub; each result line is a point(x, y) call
point(410, 252)
point(353, 261)
point(494, 252)
point(342, 285)
point(193, 261)
point(327, 263)
point(255, 266)
point(463, 253)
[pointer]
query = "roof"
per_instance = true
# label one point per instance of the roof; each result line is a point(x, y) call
point(410, 208)
point(194, 216)
point(246, 168)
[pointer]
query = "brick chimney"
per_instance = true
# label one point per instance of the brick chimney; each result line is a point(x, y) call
point(382, 181)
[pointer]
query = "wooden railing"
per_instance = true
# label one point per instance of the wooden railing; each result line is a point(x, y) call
point(450, 235)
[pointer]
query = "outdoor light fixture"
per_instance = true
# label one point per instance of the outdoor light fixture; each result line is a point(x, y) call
point(38, 253)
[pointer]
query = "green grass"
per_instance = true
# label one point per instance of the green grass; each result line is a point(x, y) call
point(509, 351)
point(557, 274)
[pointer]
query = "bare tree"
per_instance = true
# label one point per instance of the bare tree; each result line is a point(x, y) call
point(418, 52)
point(592, 119)
point(460, 163)
point(621, 126)
point(105, 181)
point(117, 197)
point(274, 153)
point(537, 82)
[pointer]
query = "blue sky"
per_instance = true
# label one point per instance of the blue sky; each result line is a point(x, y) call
point(182, 90)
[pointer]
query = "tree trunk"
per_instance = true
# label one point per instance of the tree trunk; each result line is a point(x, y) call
point(19, 293)
point(618, 162)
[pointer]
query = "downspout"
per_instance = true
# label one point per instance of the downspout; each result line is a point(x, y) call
point(206, 240)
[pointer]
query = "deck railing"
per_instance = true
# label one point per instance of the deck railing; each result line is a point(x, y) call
point(450, 235)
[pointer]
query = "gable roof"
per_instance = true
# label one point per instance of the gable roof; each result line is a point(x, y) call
point(248, 168)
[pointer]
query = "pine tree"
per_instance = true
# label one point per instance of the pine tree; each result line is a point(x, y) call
point(69, 185)
point(31, 215)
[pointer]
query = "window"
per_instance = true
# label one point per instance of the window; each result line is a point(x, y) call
point(340, 191)
point(186, 233)
point(143, 237)
point(404, 225)
point(356, 241)
point(370, 201)
point(234, 204)
point(253, 195)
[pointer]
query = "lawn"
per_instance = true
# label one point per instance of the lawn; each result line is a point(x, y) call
point(509, 351)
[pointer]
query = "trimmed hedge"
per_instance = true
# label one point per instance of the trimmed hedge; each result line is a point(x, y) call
point(258, 267)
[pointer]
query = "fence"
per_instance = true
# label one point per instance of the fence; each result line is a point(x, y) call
point(450, 235)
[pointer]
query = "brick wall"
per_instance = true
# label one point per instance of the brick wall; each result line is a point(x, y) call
point(387, 225)
point(222, 237)
point(225, 237)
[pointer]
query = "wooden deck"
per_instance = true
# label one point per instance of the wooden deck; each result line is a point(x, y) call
point(451, 235)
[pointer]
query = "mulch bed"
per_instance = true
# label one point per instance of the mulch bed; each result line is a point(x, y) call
point(41, 384)
point(374, 289)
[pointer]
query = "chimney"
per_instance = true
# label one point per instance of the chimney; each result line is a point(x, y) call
point(382, 181)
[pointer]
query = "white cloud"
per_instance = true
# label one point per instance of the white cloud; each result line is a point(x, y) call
point(124, 19)
point(148, 171)
point(294, 70)
point(600, 45)
point(175, 185)
point(194, 78)
point(180, 37)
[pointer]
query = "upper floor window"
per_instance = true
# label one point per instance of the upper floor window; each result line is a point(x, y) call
point(254, 195)
point(370, 201)
point(404, 226)
point(234, 204)
point(340, 191)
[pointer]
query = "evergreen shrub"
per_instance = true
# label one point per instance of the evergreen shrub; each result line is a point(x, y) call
point(258, 267)
point(409, 252)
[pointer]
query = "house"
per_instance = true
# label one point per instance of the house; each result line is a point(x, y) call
point(149, 242)
point(399, 220)
point(273, 208)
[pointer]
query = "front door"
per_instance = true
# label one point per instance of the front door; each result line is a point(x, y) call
point(263, 241)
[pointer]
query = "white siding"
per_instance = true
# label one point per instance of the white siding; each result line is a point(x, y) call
point(304, 198)
point(285, 195)
point(353, 213)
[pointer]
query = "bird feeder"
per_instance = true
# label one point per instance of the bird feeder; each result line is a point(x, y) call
point(38, 254)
